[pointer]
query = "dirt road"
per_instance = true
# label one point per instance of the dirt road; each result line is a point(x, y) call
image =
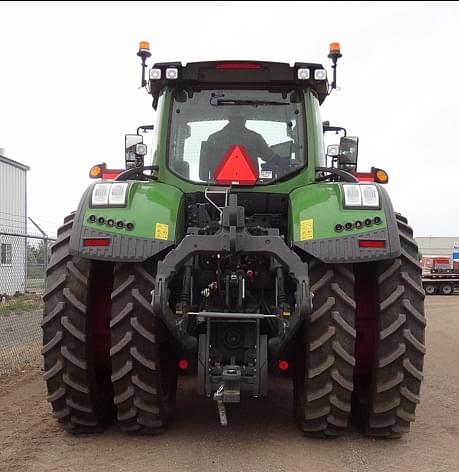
point(261, 436)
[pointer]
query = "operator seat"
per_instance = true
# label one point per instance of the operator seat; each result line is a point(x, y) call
point(204, 163)
point(182, 168)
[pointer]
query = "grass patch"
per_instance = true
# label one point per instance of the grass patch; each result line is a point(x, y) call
point(21, 305)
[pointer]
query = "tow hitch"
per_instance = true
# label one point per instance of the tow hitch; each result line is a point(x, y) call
point(232, 358)
point(229, 391)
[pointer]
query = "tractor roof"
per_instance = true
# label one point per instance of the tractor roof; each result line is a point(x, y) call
point(235, 73)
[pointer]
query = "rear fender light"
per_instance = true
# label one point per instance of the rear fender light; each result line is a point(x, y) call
point(100, 171)
point(183, 364)
point(372, 243)
point(376, 175)
point(283, 365)
point(111, 174)
point(101, 242)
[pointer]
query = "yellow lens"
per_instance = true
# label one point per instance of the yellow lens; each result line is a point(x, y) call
point(144, 45)
point(381, 176)
point(95, 172)
point(334, 47)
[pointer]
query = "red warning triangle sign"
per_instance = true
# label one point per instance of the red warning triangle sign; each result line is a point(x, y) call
point(236, 168)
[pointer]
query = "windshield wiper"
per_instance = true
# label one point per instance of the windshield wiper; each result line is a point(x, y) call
point(255, 103)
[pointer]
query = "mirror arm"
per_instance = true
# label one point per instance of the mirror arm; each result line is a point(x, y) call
point(327, 128)
point(346, 176)
point(145, 128)
point(135, 171)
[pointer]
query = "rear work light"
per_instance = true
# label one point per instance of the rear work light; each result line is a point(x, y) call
point(102, 242)
point(303, 73)
point(352, 196)
point(110, 194)
point(320, 74)
point(117, 195)
point(172, 73)
point(372, 243)
point(370, 196)
point(360, 196)
point(100, 194)
point(238, 65)
point(155, 74)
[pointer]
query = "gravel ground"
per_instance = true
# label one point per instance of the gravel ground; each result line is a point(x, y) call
point(261, 435)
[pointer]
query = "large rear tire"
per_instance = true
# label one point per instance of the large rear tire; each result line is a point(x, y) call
point(144, 361)
point(400, 345)
point(323, 377)
point(81, 398)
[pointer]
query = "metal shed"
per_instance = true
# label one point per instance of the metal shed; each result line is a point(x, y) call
point(13, 222)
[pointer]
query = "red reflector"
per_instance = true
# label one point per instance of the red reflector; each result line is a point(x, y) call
point(109, 174)
point(283, 365)
point(238, 65)
point(364, 176)
point(236, 168)
point(183, 364)
point(372, 243)
point(96, 242)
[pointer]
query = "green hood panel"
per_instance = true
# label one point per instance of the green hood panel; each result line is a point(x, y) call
point(316, 209)
point(154, 208)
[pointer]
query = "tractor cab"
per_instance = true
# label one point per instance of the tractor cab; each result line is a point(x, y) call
point(238, 123)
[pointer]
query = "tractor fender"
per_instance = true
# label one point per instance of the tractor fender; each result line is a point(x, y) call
point(154, 209)
point(318, 222)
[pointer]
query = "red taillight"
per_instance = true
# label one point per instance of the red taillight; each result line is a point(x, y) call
point(376, 175)
point(111, 174)
point(100, 171)
point(283, 364)
point(183, 364)
point(364, 176)
point(372, 243)
point(96, 242)
point(238, 65)
point(236, 168)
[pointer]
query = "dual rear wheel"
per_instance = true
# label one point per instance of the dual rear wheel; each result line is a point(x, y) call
point(103, 349)
point(363, 346)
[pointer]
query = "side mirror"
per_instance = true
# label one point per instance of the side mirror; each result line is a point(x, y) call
point(135, 150)
point(349, 148)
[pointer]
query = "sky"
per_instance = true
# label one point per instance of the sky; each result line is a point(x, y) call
point(69, 86)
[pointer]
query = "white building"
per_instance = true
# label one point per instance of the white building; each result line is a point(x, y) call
point(13, 222)
point(437, 245)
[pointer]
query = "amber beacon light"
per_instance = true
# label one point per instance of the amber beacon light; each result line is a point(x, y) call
point(334, 55)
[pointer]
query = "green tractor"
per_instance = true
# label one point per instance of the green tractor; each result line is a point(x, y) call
point(244, 251)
